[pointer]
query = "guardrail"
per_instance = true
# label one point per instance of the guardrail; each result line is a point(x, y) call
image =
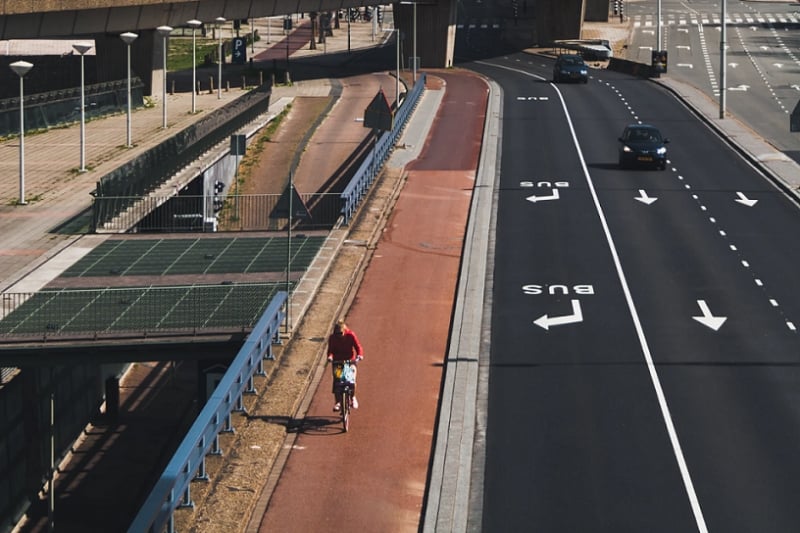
point(368, 171)
point(173, 489)
point(56, 108)
point(238, 212)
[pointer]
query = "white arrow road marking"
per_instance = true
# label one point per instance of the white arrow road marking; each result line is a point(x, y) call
point(739, 88)
point(644, 198)
point(707, 319)
point(733, 65)
point(744, 200)
point(534, 198)
point(685, 65)
point(545, 321)
point(796, 87)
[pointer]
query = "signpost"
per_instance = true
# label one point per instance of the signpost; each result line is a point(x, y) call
point(238, 149)
point(290, 206)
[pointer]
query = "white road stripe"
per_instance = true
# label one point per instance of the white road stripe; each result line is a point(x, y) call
point(651, 367)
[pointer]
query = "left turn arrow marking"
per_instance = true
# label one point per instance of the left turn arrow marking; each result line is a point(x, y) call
point(553, 196)
point(545, 321)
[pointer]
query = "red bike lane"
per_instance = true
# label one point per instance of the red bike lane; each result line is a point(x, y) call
point(374, 477)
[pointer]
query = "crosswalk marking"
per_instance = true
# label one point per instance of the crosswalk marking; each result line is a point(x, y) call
point(671, 19)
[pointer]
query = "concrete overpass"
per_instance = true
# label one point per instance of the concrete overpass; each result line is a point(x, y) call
point(519, 23)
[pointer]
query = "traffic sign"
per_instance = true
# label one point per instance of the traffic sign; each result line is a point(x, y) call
point(378, 114)
point(239, 51)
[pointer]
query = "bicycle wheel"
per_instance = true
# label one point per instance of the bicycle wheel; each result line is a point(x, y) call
point(346, 399)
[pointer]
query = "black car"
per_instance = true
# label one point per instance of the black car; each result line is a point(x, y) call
point(570, 67)
point(642, 144)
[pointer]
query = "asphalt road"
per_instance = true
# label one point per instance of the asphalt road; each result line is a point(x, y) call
point(761, 60)
point(644, 347)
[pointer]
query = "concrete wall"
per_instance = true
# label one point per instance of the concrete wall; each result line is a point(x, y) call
point(435, 33)
point(561, 19)
point(111, 59)
point(596, 11)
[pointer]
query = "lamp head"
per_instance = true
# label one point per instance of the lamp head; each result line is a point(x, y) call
point(21, 67)
point(194, 23)
point(164, 30)
point(81, 48)
point(128, 37)
point(221, 20)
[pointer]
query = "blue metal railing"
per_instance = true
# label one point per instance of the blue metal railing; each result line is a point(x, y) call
point(173, 489)
point(368, 171)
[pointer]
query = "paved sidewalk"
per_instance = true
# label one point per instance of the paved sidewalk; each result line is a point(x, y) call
point(56, 192)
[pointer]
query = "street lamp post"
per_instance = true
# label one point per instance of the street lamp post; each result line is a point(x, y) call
point(415, 43)
point(82, 48)
point(194, 24)
point(220, 22)
point(164, 32)
point(128, 38)
point(21, 68)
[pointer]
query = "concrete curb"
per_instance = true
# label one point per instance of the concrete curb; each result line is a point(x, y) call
point(461, 415)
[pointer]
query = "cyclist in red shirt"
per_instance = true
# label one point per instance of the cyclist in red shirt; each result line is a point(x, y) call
point(343, 345)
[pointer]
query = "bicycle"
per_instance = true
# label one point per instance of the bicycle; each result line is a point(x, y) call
point(345, 374)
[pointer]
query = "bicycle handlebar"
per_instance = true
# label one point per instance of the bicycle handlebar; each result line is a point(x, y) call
point(347, 361)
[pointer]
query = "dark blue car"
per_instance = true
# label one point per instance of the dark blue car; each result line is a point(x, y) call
point(642, 145)
point(570, 67)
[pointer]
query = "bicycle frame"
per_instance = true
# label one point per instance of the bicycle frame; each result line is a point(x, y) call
point(344, 390)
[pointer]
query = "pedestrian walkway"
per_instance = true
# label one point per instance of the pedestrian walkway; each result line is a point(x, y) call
point(58, 195)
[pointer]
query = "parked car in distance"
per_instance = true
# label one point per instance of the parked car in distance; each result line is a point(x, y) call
point(643, 145)
point(570, 67)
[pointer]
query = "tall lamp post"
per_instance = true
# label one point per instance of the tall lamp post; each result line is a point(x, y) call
point(164, 32)
point(415, 43)
point(220, 22)
point(82, 48)
point(21, 68)
point(128, 38)
point(194, 24)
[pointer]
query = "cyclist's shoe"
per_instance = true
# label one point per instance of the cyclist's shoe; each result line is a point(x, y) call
point(337, 407)
point(355, 402)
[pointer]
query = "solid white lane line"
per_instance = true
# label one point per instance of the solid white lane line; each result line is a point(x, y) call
point(662, 400)
point(651, 367)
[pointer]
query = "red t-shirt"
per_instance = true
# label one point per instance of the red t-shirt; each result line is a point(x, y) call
point(345, 346)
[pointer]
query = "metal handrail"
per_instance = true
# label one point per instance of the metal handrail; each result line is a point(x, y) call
point(172, 490)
